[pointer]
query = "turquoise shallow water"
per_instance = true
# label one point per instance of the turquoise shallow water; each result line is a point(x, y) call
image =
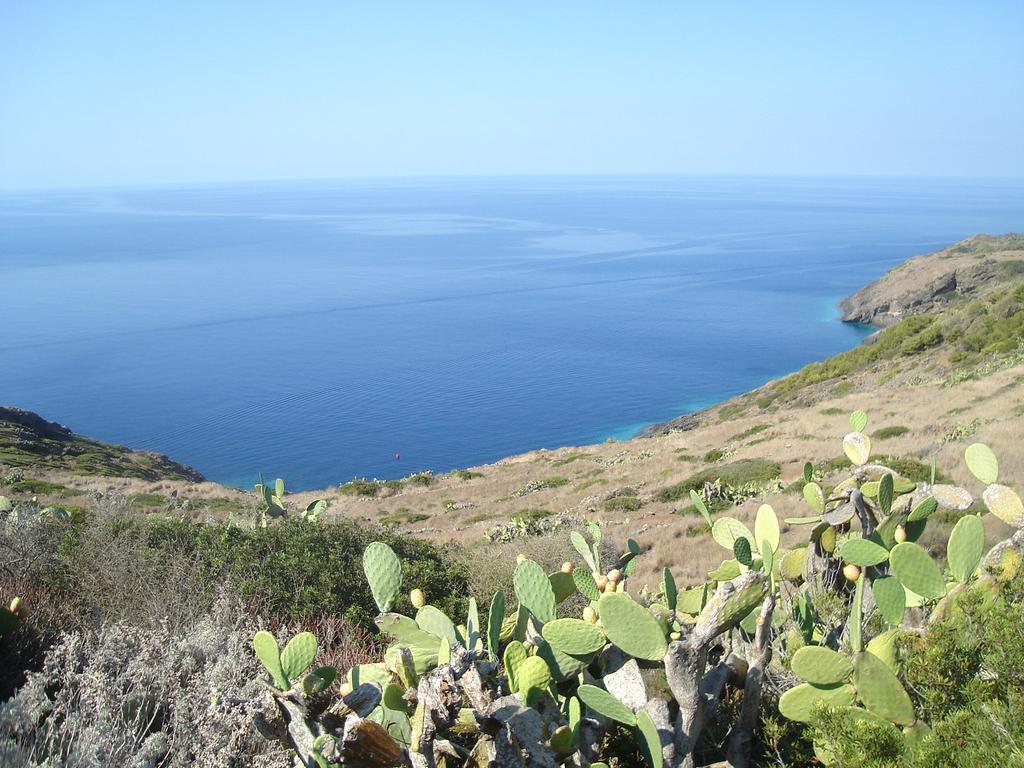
point(314, 330)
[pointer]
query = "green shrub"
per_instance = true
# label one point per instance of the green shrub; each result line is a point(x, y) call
point(541, 485)
point(735, 474)
point(360, 486)
point(715, 454)
point(966, 680)
point(147, 500)
point(532, 513)
point(43, 487)
point(292, 569)
point(402, 516)
point(909, 336)
point(570, 457)
point(888, 432)
point(622, 504)
point(730, 412)
point(749, 432)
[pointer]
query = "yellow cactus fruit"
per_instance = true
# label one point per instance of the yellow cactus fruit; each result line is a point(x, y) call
point(417, 598)
point(590, 615)
point(566, 567)
point(614, 575)
point(602, 582)
point(851, 572)
point(900, 534)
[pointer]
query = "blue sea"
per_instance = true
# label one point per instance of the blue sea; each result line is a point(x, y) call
point(316, 330)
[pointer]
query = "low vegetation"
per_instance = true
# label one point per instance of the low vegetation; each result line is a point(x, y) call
point(910, 675)
point(850, 647)
point(744, 473)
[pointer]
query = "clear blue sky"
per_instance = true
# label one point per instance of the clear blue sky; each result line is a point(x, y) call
point(95, 93)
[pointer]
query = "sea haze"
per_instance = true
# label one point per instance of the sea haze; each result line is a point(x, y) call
point(313, 330)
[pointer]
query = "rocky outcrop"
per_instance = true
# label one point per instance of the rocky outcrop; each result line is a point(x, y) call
point(924, 284)
point(29, 441)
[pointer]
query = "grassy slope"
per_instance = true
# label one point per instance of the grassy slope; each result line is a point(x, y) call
point(950, 378)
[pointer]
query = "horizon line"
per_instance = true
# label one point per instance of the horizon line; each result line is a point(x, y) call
point(496, 175)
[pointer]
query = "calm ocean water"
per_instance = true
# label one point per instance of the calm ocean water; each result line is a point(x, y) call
point(314, 330)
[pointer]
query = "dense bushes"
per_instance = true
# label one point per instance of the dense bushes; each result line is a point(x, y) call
point(967, 681)
point(735, 474)
point(907, 337)
point(293, 569)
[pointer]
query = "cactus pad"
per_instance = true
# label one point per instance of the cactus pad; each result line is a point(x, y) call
point(574, 636)
point(319, 680)
point(768, 564)
point(741, 550)
point(858, 421)
point(766, 527)
point(563, 666)
point(692, 600)
point(727, 571)
point(966, 546)
point(747, 592)
point(434, 621)
point(603, 703)
point(583, 548)
point(384, 573)
point(814, 497)
point(298, 655)
point(890, 598)
point(821, 666)
point(727, 529)
point(368, 673)
point(495, 617)
point(857, 447)
point(952, 496)
point(798, 703)
point(533, 678)
point(884, 647)
point(562, 585)
point(840, 514)
point(585, 585)
point(403, 629)
point(863, 552)
point(515, 655)
point(1005, 504)
point(982, 462)
point(923, 510)
point(793, 564)
point(269, 654)
point(885, 494)
point(631, 627)
point(533, 588)
point(562, 740)
point(669, 588)
point(649, 740)
point(700, 506)
point(880, 690)
point(913, 566)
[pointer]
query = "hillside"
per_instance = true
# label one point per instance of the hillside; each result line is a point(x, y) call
point(946, 370)
point(29, 441)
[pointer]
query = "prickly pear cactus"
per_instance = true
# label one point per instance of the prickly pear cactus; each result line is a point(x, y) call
point(581, 650)
point(631, 627)
point(384, 573)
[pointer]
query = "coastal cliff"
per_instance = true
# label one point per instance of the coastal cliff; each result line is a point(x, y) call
point(28, 441)
point(927, 283)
